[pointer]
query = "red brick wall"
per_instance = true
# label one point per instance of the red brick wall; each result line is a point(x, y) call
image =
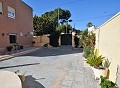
point(23, 22)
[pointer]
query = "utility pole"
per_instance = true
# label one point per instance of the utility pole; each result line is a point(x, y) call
point(66, 27)
point(58, 16)
point(74, 25)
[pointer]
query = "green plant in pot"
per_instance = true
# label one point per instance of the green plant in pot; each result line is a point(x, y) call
point(33, 42)
point(9, 48)
point(96, 62)
point(45, 45)
point(105, 83)
point(105, 64)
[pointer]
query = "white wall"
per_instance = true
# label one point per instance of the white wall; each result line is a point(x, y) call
point(108, 43)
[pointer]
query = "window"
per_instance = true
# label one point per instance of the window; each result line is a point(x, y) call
point(12, 38)
point(11, 12)
point(0, 8)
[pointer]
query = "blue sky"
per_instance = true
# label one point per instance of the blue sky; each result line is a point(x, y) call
point(82, 11)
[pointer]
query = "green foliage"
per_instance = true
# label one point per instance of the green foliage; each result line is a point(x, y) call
point(88, 42)
point(48, 22)
point(33, 42)
point(62, 28)
point(54, 38)
point(95, 60)
point(88, 39)
point(76, 39)
point(105, 83)
point(45, 45)
point(36, 25)
point(9, 48)
point(87, 51)
point(106, 63)
point(90, 24)
point(21, 46)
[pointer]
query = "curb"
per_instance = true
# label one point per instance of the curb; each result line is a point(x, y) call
point(6, 57)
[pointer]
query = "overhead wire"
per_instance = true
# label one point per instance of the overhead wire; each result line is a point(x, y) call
point(62, 4)
point(94, 17)
point(75, 1)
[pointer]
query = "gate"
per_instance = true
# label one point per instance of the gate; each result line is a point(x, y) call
point(66, 39)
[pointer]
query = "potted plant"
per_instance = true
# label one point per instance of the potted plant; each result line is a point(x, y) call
point(105, 83)
point(21, 46)
point(33, 42)
point(45, 45)
point(9, 48)
point(99, 64)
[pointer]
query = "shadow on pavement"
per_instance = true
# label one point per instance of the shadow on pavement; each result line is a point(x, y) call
point(19, 65)
point(54, 52)
point(30, 82)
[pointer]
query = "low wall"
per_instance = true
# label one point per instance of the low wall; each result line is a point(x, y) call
point(40, 40)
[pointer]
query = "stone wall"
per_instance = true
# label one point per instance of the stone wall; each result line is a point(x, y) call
point(40, 40)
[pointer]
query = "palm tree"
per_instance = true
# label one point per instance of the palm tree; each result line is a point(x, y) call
point(90, 24)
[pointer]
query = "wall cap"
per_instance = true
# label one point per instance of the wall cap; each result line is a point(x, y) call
point(113, 17)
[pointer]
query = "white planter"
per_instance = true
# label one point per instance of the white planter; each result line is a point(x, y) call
point(100, 72)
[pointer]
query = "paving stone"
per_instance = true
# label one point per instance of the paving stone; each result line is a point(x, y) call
point(67, 83)
point(79, 77)
point(68, 77)
point(53, 63)
point(78, 84)
point(65, 87)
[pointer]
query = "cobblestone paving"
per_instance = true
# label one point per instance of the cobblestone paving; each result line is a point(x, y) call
point(53, 68)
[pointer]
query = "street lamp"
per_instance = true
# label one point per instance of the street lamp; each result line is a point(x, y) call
point(66, 24)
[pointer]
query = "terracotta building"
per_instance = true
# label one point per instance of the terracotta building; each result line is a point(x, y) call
point(16, 23)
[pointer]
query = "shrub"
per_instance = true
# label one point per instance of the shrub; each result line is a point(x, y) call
point(21, 46)
point(87, 51)
point(45, 45)
point(54, 40)
point(76, 39)
point(33, 42)
point(88, 39)
point(9, 48)
point(105, 83)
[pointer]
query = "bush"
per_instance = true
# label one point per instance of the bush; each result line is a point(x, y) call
point(9, 48)
point(105, 83)
point(45, 45)
point(87, 51)
point(21, 46)
point(76, 39)
point(54, 40)
point(33, 42)
point(88, 39)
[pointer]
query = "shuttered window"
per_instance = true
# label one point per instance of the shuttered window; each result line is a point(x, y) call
point(11, 12)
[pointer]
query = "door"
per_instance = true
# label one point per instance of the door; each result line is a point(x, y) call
point(66, 39)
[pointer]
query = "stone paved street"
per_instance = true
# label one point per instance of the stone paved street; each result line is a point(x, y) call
point(53, 68)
